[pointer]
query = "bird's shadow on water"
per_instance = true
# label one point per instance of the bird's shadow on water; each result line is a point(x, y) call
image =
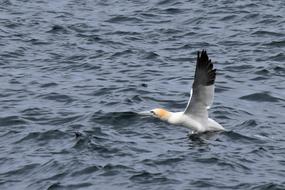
point(203, 138)
point(225, 136)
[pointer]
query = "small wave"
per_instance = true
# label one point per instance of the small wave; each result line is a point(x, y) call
point(224, 112)
point(12, 120)
point(219, 89)
point(57, 97)
point(165, 2)
point(38, 42)
point(204, 183)
point(267, 33)
point(146, 177)
point(228, 17)
point(134, 99)
point(82, 28)
point(251, 16)
point(9, 133)
point(260, 151)
point(58, 185)
point(249, 123)
point(150, 55)
point(34, 111)
point(109, 167)
point(125, 33)
point(280, 57)
point(114, 169)
point(91, 37)
point(58, 29)
point(103, 150)
point(87, 170)
point(259, 78)
point(22, 171)
point(241, 138)
point(163, 161)
point(260, 97)
point(122, 19)
point(231, 43)
point(123, 53)
point(263, 72)
point(239, 68)
point(276, 43)
point(75, 58)
point(267, 186)
point(113, 117)
point(279, 69)
point(173, 11)
point(50, 84)
point(6, 3)
point(209, 160)
point(43, 136)
point(43, 117)
point(81, 143)
point(96, 144)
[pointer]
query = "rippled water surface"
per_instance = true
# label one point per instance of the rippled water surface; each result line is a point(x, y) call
point(75, 73)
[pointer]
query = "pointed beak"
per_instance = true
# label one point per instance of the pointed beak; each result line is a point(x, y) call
point(147, 113)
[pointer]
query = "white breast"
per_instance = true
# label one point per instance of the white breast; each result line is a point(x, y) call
point(179, 118)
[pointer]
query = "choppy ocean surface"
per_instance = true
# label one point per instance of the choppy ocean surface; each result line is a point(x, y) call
point(75, 73)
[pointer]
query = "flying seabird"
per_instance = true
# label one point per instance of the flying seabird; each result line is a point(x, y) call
point(195, 115)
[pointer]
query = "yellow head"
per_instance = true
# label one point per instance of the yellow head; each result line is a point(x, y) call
point(160, 113)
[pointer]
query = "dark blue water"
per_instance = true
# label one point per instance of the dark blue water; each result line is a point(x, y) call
point(75, 73)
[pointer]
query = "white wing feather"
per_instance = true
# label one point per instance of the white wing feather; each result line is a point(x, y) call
point(202, 93)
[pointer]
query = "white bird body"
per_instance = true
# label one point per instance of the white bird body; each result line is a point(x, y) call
point(179, 118)
point(194, 123)
point(195, 115)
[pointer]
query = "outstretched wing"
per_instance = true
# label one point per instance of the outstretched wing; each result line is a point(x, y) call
point(203, 87)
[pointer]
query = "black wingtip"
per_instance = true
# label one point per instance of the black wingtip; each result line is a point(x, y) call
point(205, 66)
point(204, 55)
point(211, 77)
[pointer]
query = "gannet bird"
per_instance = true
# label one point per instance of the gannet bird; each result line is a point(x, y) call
point(195, 115)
